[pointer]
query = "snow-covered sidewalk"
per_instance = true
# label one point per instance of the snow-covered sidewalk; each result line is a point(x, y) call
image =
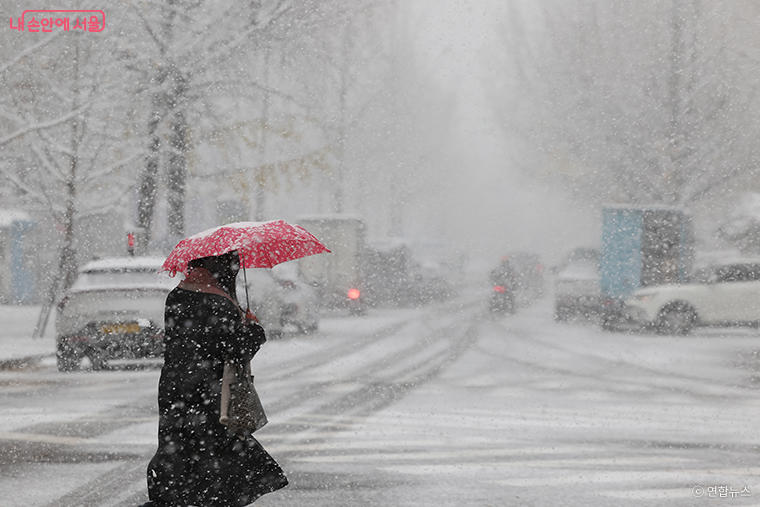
point(16, 329)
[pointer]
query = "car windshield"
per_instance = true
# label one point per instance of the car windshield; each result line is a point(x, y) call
point(738, 273)
point(703, 275)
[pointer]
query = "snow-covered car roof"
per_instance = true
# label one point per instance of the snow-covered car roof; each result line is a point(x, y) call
point(120, 273)
point(286, 271)
point(723, 258)
point(141, 263)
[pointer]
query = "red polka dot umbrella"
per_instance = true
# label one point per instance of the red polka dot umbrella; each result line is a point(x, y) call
point(261, 245)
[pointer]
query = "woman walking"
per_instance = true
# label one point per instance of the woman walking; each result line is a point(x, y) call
point(199, 462)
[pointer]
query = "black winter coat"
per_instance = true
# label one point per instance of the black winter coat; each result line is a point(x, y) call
point(198, 461)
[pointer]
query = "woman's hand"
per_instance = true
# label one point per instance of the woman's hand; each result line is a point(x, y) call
point(250, 316)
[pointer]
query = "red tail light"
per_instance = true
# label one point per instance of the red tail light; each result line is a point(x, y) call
point(499, 288)
point(354, 293)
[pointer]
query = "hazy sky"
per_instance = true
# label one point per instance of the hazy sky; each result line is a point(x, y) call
point(498, 209)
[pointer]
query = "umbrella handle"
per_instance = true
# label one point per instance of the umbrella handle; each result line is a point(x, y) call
point(245, 281)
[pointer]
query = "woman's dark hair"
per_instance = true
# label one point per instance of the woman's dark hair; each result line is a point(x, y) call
point(223, 267)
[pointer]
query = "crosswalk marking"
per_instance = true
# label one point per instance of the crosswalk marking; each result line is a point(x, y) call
point(649, 494)
point(597, 477)
point(42, 438)
point(463, 455)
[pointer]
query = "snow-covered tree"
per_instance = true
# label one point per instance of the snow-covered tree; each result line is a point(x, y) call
point(67, 136)
point(632, 101)
point(741, 228)
point(216, 69)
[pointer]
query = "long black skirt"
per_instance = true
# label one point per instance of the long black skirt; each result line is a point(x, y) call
point(198, 461)
point(230, 473)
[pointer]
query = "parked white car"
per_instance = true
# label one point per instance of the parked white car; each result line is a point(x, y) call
point(576, 286)
point(280, 299)
point(264, 296)
point(114, 310)
point(724, 294)
point(300, 304)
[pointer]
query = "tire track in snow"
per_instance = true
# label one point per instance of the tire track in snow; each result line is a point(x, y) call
point(663, 376)
point(114, 487)
point(124, 486)
point(375, 386)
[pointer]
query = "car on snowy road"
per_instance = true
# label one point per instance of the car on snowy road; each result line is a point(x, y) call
point(576, 286)
point(722, 294)
point(300, 304)
point(280, 299)
point(114, 310)
point(529, 273)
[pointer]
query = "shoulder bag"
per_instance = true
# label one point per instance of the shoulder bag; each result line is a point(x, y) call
point(241, 409)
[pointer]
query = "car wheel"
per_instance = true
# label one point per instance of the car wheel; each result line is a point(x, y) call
point(676, 319)
point(561, 314)
point(308, 328)
point(97, 360)
point(68, 361)
point(611, 321)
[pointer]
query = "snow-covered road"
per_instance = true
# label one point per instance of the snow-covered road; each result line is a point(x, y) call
point(438, 406)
